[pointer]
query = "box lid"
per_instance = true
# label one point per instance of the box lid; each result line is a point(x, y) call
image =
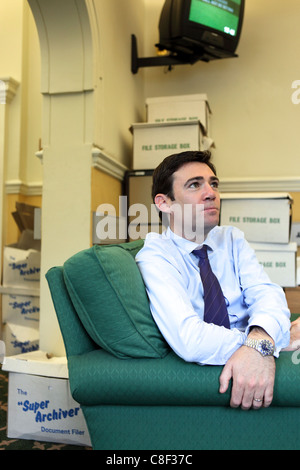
point(191, 97)
point(178, 98)
point(37, 363)
point(275, 195)
point(286, 247)
point(163, 99)
point(149, 125)
point(19, 291)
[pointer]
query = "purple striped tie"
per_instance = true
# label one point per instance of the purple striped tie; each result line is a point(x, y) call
point(215, 310)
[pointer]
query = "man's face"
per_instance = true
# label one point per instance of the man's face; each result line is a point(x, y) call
point(194, 186)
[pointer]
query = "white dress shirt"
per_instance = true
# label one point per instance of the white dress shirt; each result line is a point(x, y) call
point(171, 276)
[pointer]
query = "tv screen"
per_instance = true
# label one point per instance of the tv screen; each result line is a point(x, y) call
point(203, 29)
point(222, 15)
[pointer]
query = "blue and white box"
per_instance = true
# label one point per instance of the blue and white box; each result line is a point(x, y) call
point(21, 268)
point(40, 406)
point(20, 318)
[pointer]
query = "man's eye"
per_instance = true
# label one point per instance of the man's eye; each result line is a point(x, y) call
point(195, 184)
point(215, 184)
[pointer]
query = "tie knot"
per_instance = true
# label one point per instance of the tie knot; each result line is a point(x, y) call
point(202, 253)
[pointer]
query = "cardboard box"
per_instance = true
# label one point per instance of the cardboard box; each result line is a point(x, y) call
point(21, 268)
point(20, 339)
point(40, 406)
point(295, 233)
point(28, 220)
point(37, 363)
point(153, 142)
point(179, 108)
point(279, 262)
point(263, 217)
point(20, 306)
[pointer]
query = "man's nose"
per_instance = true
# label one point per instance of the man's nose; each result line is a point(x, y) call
point(208, 192)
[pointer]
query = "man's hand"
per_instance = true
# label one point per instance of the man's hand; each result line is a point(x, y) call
point(252, 376)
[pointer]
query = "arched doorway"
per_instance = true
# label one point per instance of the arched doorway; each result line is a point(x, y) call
point(66, 43)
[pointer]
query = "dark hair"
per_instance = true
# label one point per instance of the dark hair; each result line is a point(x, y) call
point(163, 174)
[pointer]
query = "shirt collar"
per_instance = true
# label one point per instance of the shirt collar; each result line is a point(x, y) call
point(189, 246)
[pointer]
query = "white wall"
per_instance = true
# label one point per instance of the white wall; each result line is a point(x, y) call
point(255, 123)
point(85, 103)
point(20, 59)
point(31, 171)
point(119, 94)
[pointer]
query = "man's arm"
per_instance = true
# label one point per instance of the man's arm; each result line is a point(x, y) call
point(266, 303)
point(252, 375)
point(187, 334)
point(196, 341)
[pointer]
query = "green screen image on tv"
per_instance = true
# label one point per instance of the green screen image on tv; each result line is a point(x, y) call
point(222, 15)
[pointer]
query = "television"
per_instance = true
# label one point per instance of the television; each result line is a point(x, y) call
point(202, 29)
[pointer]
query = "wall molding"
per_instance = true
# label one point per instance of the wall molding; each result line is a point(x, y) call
point(266, 184)
point(26, 189)
point(8, 89)
point(102, 161)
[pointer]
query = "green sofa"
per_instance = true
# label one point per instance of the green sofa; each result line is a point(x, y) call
point(135, 393)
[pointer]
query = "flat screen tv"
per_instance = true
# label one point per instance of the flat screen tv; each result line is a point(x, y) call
point(203, 29)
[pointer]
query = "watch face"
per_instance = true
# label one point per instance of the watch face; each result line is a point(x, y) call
point(266, 347)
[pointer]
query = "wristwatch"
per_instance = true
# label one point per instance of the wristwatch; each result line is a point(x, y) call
point(263, 346)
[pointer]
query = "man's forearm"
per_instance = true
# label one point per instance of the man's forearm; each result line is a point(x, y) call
point(256, 332)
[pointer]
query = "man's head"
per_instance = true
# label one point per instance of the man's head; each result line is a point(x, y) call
point(163, 174)
point(186, 185)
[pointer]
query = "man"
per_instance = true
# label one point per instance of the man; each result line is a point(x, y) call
point(185, 187)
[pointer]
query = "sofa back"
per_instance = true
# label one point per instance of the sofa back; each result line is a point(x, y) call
point(109, 297)
point(76, 339)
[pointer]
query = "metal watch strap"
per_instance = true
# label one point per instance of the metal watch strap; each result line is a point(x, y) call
point(256, 343)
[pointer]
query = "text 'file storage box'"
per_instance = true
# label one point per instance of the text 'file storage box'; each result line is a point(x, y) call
point(263, 217)
point(153, 142)
point(179, 108)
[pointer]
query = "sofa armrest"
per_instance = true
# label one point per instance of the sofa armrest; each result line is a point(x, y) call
point(98, 378)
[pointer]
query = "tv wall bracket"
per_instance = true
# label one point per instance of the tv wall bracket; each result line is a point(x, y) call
point(170, 60)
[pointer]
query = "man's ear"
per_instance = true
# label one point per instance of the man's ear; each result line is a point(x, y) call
point(162, 202)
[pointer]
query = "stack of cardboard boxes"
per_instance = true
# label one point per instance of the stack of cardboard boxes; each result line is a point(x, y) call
point(265, 219)
point(20, 287)
point(174, 124)
point(40, 405)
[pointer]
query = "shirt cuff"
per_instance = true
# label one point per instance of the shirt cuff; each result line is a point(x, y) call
point(279, 334)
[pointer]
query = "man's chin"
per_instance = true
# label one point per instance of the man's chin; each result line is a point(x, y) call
point(210, 224)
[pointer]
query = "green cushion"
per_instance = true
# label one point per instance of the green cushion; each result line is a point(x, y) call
point(109, 296)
